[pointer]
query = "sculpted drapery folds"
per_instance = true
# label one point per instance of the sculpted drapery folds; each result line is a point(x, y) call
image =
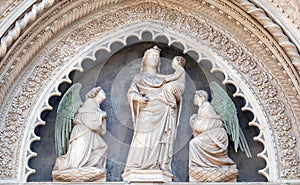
point(85, 159)
point(208, 149)
point(155, 102)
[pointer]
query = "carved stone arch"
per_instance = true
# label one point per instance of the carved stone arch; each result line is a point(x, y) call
point(173, 39)
point(104, 43)
point(272, 92)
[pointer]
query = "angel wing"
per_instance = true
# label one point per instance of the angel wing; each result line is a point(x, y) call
point(224, 106)
point(66, 110)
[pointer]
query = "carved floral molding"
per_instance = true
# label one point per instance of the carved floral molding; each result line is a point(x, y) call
point(278, 97)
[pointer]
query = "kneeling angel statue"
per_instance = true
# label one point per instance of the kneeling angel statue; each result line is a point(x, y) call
point(81, 149)
point(209, 161)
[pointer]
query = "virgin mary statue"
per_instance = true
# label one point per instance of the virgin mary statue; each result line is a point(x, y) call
point(154, 119)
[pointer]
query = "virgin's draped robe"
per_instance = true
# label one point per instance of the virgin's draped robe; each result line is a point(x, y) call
point(86, 147)
point(155, 124)
point(208, 149)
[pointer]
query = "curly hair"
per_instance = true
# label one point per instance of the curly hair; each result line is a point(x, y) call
point(93, 92)
point(202, 93)
point(181, 61)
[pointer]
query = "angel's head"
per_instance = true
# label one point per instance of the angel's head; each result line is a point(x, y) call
point(97, 93)
point(200, 96)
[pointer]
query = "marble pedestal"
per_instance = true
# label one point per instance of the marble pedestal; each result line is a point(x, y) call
point(147, 176)
point(221, 174)
point(86, 174)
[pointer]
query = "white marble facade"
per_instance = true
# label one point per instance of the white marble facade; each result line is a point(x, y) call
point(255, 48)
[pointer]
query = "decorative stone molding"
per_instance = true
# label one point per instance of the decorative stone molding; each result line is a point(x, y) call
point(7, 7)
point(269, 92)
point(9, 73)
point(137, 30)
point(29, 17)
point(274, 28)
point(281, 13)
point(291, 9)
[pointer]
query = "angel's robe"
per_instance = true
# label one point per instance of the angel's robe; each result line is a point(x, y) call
point(86, 146)
point(155, 125)
point(208, 148)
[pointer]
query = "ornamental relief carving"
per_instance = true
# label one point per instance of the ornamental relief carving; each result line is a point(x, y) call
point(258, 77)
point(24, 54)
point(179, 20)
point(282, 123)
point(86, 7)
point(8, 78)
point(7, 6)
point(290, 9)
point(269, 25)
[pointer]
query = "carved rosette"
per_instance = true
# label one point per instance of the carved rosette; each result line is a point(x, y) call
point(181, 20)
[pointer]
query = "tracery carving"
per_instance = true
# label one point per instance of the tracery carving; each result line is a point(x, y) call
point(8, 79)
point(206, 33)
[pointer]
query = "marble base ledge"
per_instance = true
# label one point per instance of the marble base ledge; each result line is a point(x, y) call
point(153, 176)
point(222, 174)
point(9, 182)
point(87, 174)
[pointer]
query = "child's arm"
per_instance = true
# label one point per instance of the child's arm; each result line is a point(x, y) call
point(179, 71)
point(162, 76)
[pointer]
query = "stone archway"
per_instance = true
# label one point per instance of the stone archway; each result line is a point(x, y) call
point(250, 58)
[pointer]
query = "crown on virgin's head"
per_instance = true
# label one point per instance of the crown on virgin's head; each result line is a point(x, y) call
point(155, 48)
